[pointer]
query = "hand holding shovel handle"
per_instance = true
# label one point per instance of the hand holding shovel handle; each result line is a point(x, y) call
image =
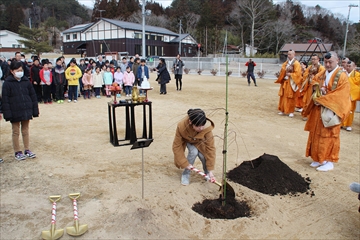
point(204, 175)
point(53, 233)
point(229, 189)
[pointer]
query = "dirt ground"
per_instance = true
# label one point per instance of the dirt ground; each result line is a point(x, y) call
point(74, 155)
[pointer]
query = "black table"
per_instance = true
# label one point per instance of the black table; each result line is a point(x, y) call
point(130, 126)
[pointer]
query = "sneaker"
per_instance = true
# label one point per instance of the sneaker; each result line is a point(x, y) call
point(20, 156)
point(61, 101)
point(50, 102)
point(75, 101)
point(118, 95)
point(185, 177)
point(291, 115)
point(1, 160)
point(255, 85)
point(58, 101)
point(69, 101)
point(348, 129)
point(326, 167)
point(30, 154)
point(280, 113)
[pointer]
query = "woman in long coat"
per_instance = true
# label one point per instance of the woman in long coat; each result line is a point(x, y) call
point(163, 75)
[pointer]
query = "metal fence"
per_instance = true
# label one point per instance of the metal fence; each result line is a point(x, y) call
point(236, 69)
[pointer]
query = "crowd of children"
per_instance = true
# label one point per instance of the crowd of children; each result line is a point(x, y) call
point(85, 78)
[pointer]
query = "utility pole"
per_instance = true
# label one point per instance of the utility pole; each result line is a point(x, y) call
point(101, 12)
point(143, 30)
point(180, 38)
point(347, 27)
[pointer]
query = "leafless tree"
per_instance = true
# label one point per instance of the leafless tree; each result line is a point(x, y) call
point(191, 22)
point(152, 20)
point(256, 10)
point(281, 31)
point(74, 20)
point(235, 20)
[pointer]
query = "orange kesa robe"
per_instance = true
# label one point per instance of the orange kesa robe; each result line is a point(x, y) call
point(354, 80)
point(324, 143)
point(286, 92)
point(306, 88)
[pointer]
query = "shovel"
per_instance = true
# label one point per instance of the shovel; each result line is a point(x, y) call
point(77, 229)
point(229, 190)
point(53, 233)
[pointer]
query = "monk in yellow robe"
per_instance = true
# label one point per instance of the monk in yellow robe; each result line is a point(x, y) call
point(323, 144)
point(354, 80)
point(306, 87)
point(290, 80)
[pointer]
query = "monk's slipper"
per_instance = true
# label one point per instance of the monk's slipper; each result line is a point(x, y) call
point(280, 113)
point(326, 167)
point(291, 115)
point(315, 164)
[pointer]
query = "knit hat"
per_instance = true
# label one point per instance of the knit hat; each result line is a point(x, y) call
point(197, 117)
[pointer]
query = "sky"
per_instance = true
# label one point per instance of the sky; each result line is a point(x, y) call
point(335, 6)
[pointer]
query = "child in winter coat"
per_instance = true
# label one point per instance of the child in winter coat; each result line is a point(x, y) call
point(118, 78)
point(46, 80)
point(97, 81)
point(73, 73)
point(108, 80)
point(19, 106)
point(87, 82)
point(128, 80)
point(59, 80)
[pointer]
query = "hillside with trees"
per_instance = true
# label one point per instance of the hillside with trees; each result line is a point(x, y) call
point(258, 23)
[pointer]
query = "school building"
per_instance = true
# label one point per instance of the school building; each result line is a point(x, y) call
point(108, 35)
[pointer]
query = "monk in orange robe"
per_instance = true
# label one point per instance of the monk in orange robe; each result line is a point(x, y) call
point(354, 80)
point(323, 144)
point(299, 94)
point(290, 80)
point(306, 88)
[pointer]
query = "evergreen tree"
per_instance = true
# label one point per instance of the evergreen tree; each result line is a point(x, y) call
point(37, 40)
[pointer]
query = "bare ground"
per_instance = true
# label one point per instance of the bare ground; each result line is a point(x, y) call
point(74, 155)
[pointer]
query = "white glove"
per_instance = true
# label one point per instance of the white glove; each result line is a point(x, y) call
point(211, 177)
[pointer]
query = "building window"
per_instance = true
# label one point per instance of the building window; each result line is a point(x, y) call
point(16, 46)
point(74, 36)
point(190, 50)
point(147, 36)
point(160, 51)
point(152, 37)
point(67, 36)
point(138, 35)
point(138, 49)
point(159, 38)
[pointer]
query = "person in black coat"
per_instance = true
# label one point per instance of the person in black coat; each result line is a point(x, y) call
point(163, 75)
point(1, 82)
point(35, 78)
point(19, 106)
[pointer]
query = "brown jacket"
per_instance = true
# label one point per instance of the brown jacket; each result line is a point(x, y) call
point(203, 141)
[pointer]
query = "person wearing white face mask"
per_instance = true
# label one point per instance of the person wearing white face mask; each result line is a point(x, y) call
point(19, 106)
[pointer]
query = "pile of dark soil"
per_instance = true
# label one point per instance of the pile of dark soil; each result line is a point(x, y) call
point(268, 174)
point(212, 208)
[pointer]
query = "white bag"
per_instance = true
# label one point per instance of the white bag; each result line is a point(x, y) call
point(329, 118)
